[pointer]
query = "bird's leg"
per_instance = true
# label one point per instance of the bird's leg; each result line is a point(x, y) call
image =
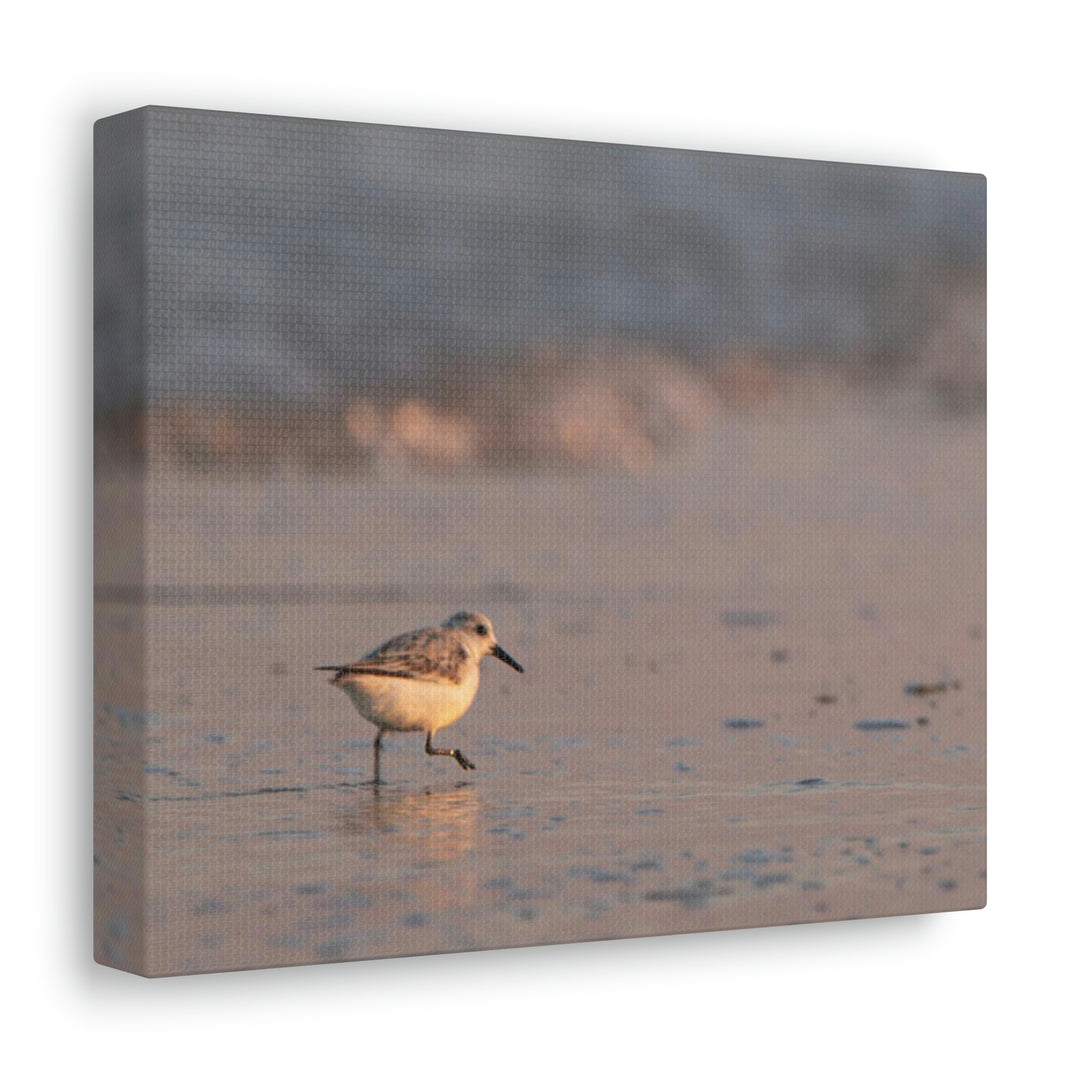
point(457, 755)
point(377, 779)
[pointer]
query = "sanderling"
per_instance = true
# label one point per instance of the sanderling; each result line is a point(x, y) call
point(421, 681)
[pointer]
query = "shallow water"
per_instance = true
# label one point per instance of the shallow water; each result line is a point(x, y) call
point(716, 727)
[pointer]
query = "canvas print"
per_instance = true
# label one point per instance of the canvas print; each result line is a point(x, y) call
point(506, 541)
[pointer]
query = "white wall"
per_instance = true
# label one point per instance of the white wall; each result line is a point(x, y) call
point(945, 86)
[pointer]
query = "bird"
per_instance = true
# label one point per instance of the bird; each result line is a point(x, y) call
point(423, 680)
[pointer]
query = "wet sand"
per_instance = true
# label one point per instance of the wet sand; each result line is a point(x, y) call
point(754, 694)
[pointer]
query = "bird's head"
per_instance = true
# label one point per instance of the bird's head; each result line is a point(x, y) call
point(480, 636)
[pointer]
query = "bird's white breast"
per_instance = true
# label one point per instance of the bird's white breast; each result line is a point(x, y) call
point(411, 704)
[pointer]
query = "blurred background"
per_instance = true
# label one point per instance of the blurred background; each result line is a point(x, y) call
point(332, 295)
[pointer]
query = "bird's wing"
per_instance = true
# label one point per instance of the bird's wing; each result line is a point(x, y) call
point(427, 655)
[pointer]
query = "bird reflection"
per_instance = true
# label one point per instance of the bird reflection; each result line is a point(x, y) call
point(439, 825)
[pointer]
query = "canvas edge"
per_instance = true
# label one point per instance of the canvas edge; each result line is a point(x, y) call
point(119, 720)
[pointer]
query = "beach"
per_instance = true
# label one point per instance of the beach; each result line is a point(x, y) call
point(754, 693)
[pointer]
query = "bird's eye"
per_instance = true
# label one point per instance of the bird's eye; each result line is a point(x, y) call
point(481, 629)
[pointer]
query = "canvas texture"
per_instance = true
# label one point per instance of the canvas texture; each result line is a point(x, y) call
point(384, 415)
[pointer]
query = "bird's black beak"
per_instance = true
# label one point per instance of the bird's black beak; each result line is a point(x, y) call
point(505, 657)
